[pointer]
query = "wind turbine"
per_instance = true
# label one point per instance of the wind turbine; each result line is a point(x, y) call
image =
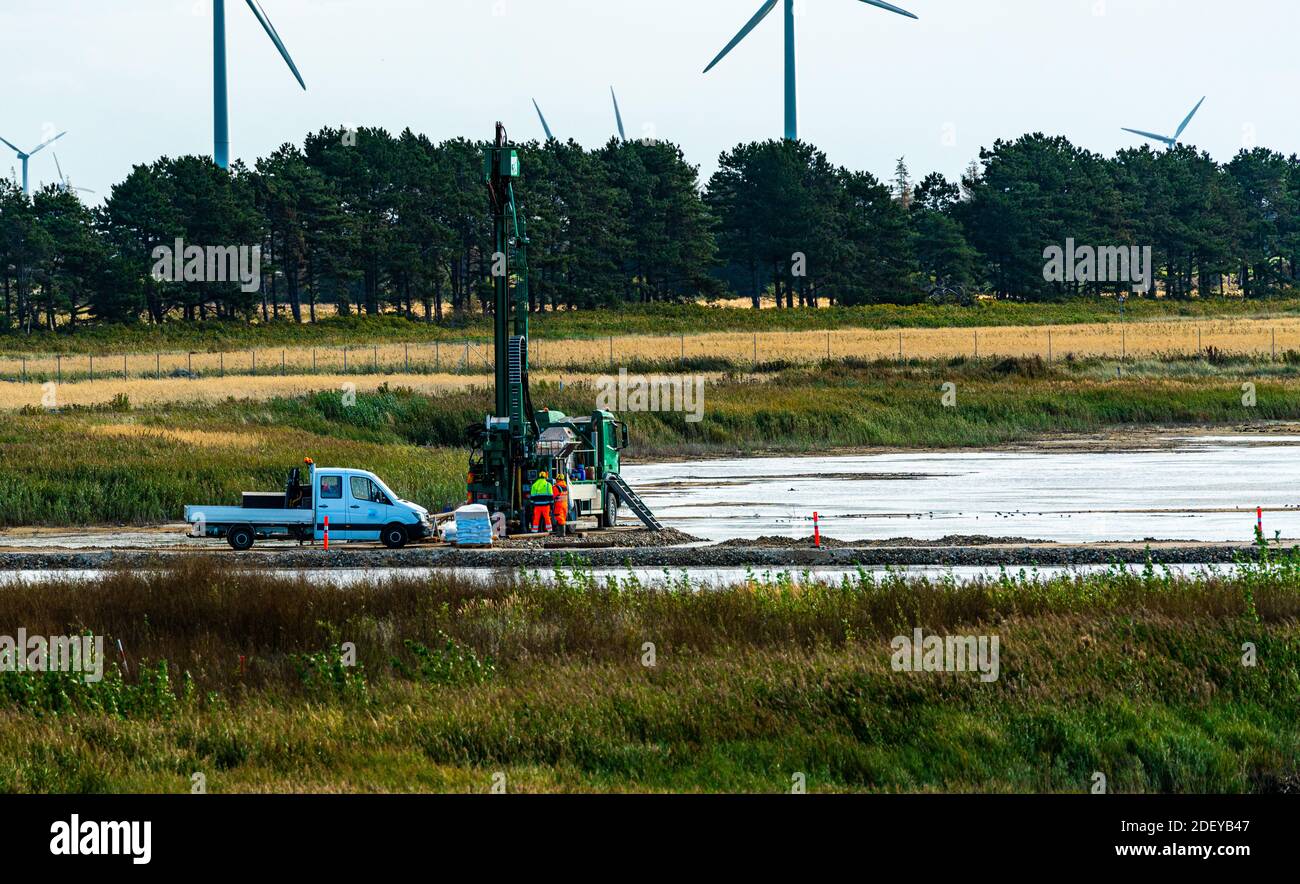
point(549, 136)
point(65, 183)
point(24, 157)
point(618, 116)
point(791, 92)
point(1170, 141)
point(221, 116)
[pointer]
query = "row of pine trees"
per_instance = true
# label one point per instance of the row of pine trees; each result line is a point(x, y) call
point(361, 221)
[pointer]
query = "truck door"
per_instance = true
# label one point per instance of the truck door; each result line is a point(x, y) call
point(329, 502)
point(367, 508)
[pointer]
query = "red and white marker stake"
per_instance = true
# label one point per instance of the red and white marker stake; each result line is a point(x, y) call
point(327, 534)
point(817, 531)
point(1259, 514)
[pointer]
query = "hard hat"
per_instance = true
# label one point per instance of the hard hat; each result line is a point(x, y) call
point(542, 474)
point(308, 461)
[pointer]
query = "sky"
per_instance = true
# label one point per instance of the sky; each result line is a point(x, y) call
point(131, 80)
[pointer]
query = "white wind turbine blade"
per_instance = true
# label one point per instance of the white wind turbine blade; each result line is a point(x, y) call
point(44, 144)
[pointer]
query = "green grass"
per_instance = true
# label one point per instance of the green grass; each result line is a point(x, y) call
point(1137, 675)
point(629, 320)
point(60, 470)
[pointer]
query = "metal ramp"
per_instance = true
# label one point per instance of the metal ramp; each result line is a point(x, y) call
point(633, 502)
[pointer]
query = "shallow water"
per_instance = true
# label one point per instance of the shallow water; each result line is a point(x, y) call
point(700, 578)
point(1188, 488)
point(1204, 488)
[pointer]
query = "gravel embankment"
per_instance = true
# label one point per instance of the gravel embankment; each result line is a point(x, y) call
point(294, 558)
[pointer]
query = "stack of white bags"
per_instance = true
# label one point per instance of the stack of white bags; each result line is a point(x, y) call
point(473, 526)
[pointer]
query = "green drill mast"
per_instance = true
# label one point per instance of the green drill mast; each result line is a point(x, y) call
point(517, 442)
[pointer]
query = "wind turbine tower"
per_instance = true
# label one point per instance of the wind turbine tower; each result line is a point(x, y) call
point(220, 101)
point(791, 89)
point(24, 156)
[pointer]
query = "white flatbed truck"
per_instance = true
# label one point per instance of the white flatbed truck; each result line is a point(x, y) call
point(357, 504)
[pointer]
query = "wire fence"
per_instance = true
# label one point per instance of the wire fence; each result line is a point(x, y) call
point(1258, 339)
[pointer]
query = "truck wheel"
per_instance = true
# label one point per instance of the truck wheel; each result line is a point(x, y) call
point(394, 536)
point(240, 537)
point(609, 518)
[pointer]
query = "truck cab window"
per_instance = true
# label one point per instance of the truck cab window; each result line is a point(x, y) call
point(365, 490)
point(331, 487)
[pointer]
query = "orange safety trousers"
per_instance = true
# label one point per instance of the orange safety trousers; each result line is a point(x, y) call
point(541, 512)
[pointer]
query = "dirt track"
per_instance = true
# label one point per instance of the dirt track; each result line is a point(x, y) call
point(992, 554)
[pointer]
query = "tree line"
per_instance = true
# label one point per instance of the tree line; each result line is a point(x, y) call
point(361, 221)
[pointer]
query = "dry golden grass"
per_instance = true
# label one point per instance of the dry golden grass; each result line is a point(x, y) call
point(307, 370)
point(280, 361)
point(1251, 336)
point(210, 390)
point(195, 438)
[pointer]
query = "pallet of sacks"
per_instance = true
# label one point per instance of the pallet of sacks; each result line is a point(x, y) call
point(474, 527)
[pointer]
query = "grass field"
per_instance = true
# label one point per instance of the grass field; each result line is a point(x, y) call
point(241, 677)
point(282, 368)
point(628, 321)
point(140, 464)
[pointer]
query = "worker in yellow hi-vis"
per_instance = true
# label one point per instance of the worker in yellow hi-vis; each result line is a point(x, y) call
point(542, 495)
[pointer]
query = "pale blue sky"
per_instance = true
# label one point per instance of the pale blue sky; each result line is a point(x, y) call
point(132, 79)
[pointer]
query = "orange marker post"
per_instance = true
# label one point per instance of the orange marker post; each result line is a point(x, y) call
point(817, 531)
point(327, 534)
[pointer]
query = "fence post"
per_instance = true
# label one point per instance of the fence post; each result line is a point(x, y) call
point(282, 361)
point(466, 365)
point(313, 360)
point(58, 367)
point(900, 347)
point(406, 353)
point(345, 360)
point(189, 363)
point(375, 357)
point(157, 365)
point(124, 375)
point(254, 352)
point(977, 343)
point(24, 359)
point(437, 356)
point(611, 351)
point(92, 368)
point(1049, 346)
point(221, 357)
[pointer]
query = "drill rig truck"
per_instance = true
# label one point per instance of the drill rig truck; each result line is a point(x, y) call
point(518, 442)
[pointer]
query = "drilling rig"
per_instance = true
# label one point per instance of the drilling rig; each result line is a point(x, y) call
point(517, 442)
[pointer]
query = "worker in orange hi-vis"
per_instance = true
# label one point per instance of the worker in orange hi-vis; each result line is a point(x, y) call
point(543, 499)
point(561, 505)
